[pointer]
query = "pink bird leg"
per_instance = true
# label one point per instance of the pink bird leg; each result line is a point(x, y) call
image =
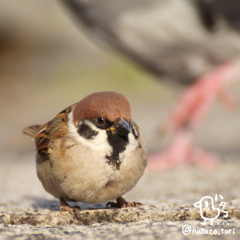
point(191, 110)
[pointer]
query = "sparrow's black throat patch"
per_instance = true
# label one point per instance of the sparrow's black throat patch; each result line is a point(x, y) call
point(117, 139)
point(118, 144)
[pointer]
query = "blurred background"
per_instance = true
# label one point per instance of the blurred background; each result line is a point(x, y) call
point(47, 63)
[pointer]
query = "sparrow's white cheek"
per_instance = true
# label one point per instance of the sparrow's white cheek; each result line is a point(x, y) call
point(131, 146)
point(98, 142)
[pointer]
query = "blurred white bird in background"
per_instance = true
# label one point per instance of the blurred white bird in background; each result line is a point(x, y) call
point(190, 42)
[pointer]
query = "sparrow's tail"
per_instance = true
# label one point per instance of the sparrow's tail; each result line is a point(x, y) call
point(31, 130)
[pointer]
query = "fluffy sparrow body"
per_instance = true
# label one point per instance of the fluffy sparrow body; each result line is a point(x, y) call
point(90, 152)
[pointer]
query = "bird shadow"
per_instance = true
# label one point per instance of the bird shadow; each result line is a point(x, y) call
point(53, 205)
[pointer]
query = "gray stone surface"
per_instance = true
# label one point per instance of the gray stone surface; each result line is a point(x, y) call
point(125, 215)
point(137, 230)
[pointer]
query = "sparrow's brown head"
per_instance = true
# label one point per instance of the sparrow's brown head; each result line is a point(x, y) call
point(104, 120)
point(108, 105)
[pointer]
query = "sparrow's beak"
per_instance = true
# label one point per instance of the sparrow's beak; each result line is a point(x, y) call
point(120, 128)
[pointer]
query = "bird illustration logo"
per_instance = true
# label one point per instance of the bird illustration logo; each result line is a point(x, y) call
point(208, 202)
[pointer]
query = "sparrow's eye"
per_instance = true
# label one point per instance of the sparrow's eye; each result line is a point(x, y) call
point(100, 120)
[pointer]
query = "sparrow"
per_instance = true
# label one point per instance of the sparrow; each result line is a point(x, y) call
point(90, 152)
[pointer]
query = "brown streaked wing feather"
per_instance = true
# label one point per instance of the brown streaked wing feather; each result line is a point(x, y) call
point(32, 130)
point(52, 130)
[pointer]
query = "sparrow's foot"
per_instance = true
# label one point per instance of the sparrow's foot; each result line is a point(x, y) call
point(181, 152)
point(64, 207)
point(121, 203)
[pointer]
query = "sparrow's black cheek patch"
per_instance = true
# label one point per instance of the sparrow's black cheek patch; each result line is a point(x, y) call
point(85, 131)
point(134, 134)
point(133, 131)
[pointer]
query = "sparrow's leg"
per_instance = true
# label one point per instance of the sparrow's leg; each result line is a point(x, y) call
point(189, 113)
point(65, 207)
point(121, 203)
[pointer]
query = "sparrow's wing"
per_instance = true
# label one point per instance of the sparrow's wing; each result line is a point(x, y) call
point(56, 128)
point(32, 130)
